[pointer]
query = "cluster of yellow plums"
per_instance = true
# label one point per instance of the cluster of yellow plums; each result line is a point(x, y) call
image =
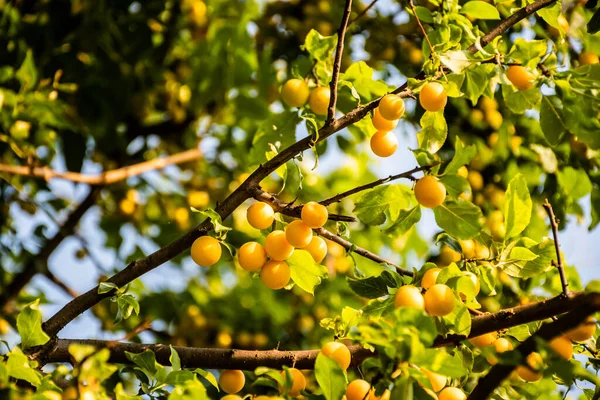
point(530, 371)
point(433, 97)
point(438, 299)
point(279, 244)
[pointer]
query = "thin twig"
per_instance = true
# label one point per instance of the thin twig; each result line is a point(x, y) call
point(337, 63)
point(105, 178)
point(291, 210)
point(360, 251)
point(558, 264)
point(363, 12)
point(283, 208)
point(412, 6)
point(54, 279)
point(39, 262)
point(408, 174)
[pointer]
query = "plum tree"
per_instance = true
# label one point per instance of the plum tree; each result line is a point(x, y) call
point(152, 135)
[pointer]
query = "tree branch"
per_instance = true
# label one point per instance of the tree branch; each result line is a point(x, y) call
point(296, 212)
point(39, 262)
point(349, 246)
point(290, 210)
point(363, 12)
point(192, 357)
point(412, 7)
point(337, 63)
point(559, 264)
point(105, 178)
point(54, 279)
point(244, 191)
point(408, 174)
point(499, 372)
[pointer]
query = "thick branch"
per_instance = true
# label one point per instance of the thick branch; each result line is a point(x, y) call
point(249, 359)
point(524, 314)
point(39, 262)
point(408, 174)
point(105, 178)
point(243, 192)
point(499, 372)
point(559, 264)
point(337, 62)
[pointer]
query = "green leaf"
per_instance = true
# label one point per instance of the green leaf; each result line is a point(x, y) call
point(551, 119)
point(574, 182)
point(455, 185)
point(105, 287)
point(179, 377)
point(360, 75)
point(527, 267)
point(438, 361)
point(121, 394)
point(517, 206)
point(305, 272)
point(459, 320)
point(406, 220)
point(593, 286)
point(462, 156)
point(145, 360)
point(208, 376)
point(81, 351)
point(476, 81)
point(376, 308)
point(375, 286)
point(519, 101)
point(27, 73)
point(459, 218)
point(528, 52)
point(174, 359)
point(424, 14)
point(19, 368)
point(480, 10)
point(457, 60)
point(216, 222)
point(127, 305)
point(29, 326)
point(381, 203)
point(434, 131)
point(318, 46)
point(342, 323)
point(330, 377)
point(279, 129)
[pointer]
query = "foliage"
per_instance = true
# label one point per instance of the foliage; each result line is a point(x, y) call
point(95, 86)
